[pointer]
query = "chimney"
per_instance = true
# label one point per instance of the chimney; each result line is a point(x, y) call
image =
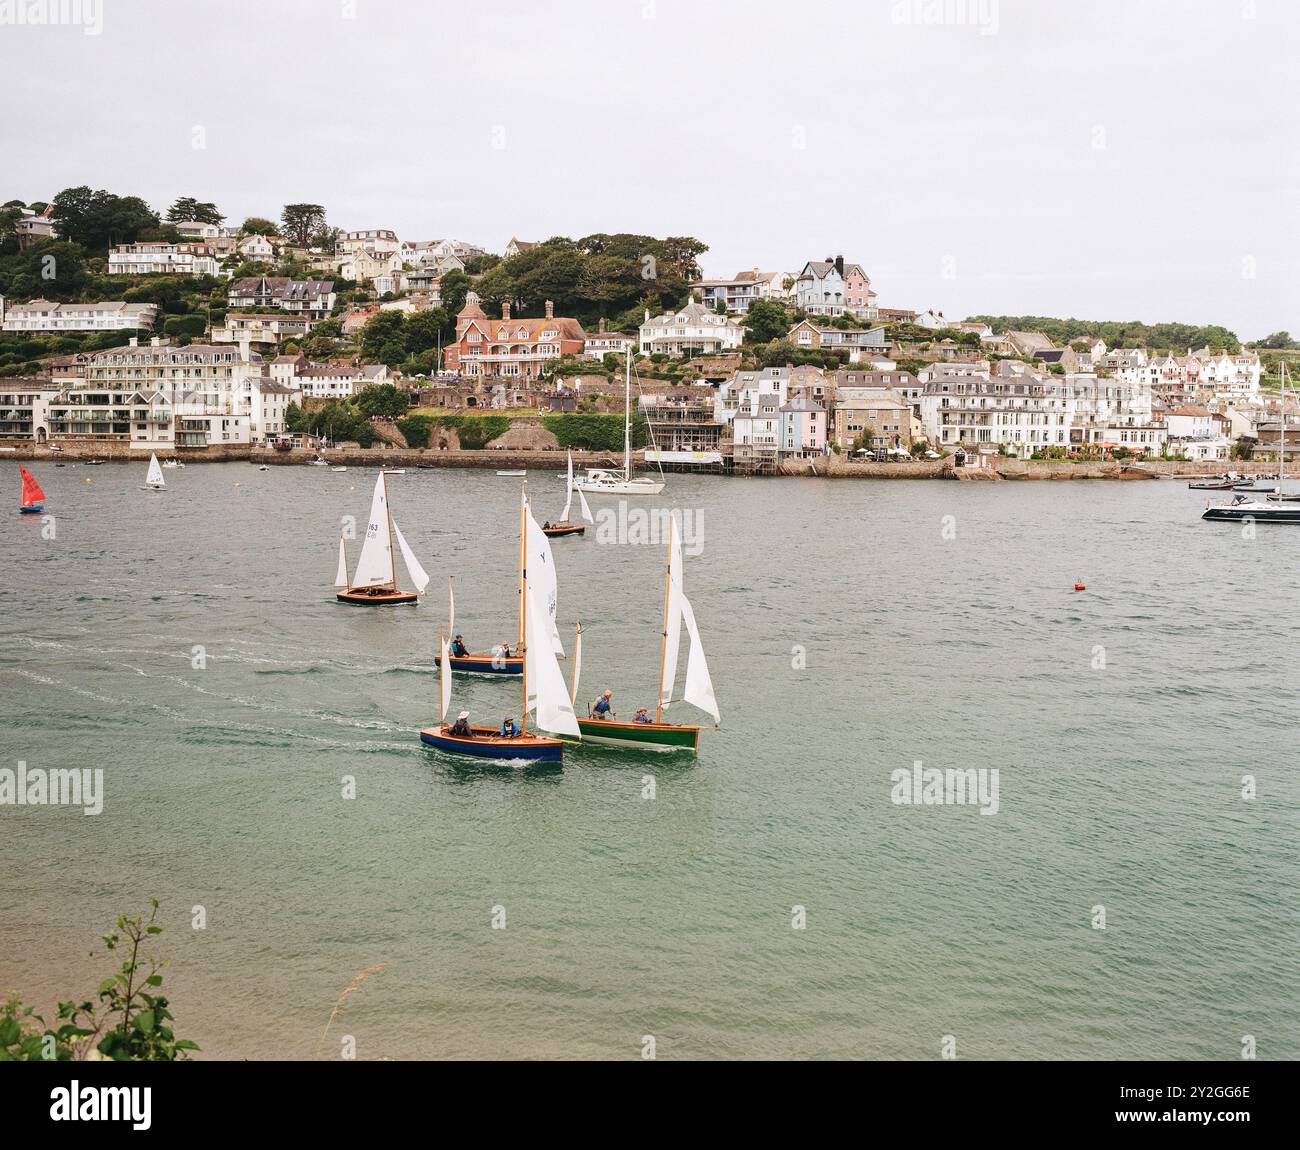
point(135, 341)
point(602, 325)
point(839, 265)
point(155, 342)
point(550, 310)
point(505, 310)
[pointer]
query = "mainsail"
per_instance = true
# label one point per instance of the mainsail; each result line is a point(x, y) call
point(418, 575)
point(541, 576)
point(375, 567)
point(672, 614)
point(155, 476)
point(546, 690)
point(32, 493)
point(341, 576)
point(568, 492)
point(444, 681)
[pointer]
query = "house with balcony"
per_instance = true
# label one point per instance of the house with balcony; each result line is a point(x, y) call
point(871, 419)
point(803, 428)
point(602, 342)
point(368, 239)
point(261, 328)
point(684, 429)
point(737, 294)
point(257, 248)
point(857, 343)
point(313, 299)
point(32, 227)
point(510, 348)
point(46, 316)
point(25, 408)
point(159, 258)
point(692, 331)
point(824, 287)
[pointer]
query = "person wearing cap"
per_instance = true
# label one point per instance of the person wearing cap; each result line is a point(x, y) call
point(458, 647)
point(600, 708)
point(461, 725)
point(641, 716)
point(508, 728)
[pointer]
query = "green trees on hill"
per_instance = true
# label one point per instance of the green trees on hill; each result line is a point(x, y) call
point(595, 432)
point(96, 219)
point(1172, 337)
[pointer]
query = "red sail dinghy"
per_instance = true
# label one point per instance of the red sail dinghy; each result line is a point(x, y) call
point(33, 497)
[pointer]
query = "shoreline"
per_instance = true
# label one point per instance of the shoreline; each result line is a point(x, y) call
point(826, 467)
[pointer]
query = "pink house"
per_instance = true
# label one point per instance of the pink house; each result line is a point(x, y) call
point(858, 296)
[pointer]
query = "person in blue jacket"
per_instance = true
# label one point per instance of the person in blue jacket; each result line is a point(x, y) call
point(508, 728)
point(600, 708)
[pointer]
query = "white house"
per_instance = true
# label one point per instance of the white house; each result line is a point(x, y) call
point(256, 247)
point(42, 315)
point(145, 259)
point(691, 330)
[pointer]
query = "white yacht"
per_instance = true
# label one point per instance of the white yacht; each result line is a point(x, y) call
point(620, 481)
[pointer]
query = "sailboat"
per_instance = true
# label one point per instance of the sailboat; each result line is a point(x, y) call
point(498, 662)
point(33, 497)
point(1272, 508)
point(542, 683)
point(562, 526)
point(659, 735)
point(375, 581)
point(154, 480)
point(621, 482)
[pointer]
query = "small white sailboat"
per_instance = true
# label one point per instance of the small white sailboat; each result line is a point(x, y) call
point(512, 474)
point(375, 581)
point(657, 734)
point(606, 481)
point(263, 467)
point(154, 480)
point(394, 470)
point(338, 469)
point(562, 526)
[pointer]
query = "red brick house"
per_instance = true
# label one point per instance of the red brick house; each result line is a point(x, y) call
point(510, 348)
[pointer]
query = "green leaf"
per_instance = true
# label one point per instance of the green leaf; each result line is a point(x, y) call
point(144, 1021)
point(154, 929)
point(154, 980)
point(9, 1031)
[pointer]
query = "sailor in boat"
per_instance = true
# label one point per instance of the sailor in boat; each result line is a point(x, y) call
point(461, 726)
point(458, 647)
point(546, 526)
point(641, 716)
point(501, 651)
point(600, 708)
point(508, 728)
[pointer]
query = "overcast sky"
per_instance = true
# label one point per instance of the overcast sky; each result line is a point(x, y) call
point(1102, 160)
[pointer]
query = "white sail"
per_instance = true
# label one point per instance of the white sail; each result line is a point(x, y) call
point(699, 687)
point(546, 690)
point(444, 682)
point(586, 511)
point(673, 620)
point(577, 667)
point(541, 576)
point(375, 567)
point(155, 476)
point(418, 575)
point(341, 577)
point(568, 492)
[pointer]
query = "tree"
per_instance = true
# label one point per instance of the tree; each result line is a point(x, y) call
point(97, 219)
point(302, 221)
point(766, 320)
point(423, 329)
point(383, 329)
point(52, 269)
point(1279, 340)
point(454, 286)
point(188, 208)
point(259, 226)
point(382, 399)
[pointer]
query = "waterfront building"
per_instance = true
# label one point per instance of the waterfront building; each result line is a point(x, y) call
point(871, 418)
point(338, 380)
point(803, 428)
point(1021, 411)
point(25, 408)
point(691, 330)
point(510, 348)
point(159, 258)
point(684, 430)
point(42, 315)
point(271, 400)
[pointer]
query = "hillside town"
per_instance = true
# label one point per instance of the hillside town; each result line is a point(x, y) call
point(230, 336)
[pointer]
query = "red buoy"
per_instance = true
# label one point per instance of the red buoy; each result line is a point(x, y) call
point(1079, 587)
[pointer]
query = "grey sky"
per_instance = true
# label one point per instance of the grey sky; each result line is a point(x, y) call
point(1102, 160)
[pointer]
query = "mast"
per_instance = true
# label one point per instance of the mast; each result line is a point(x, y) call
point(627, 416)
point(663, 647)
point(577, 648)
point(523, 596)
point(1281, 435)
point(388, 514)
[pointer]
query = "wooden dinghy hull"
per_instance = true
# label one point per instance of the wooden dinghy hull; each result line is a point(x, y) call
point(34, 509)
point(482, 663)
point(560, 530)
point(384, 597)
point(651, 736)
point(488, 743)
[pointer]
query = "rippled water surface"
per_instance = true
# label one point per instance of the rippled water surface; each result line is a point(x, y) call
point(1120, 786)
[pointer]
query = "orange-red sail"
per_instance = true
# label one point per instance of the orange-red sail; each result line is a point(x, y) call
point(32, 492)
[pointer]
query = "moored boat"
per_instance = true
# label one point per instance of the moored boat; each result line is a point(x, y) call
point(613, 481)
point(375, 581)
point(1273, 507)
point(33, 498)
